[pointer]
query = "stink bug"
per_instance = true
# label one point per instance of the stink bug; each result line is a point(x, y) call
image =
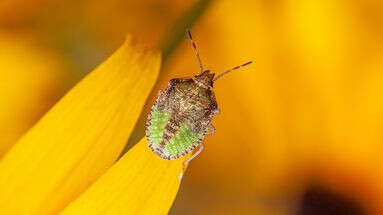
point(182, 114)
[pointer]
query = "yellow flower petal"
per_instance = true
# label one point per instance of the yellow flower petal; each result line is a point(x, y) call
point(139, 183)
point(25, 94)
point(80, 137)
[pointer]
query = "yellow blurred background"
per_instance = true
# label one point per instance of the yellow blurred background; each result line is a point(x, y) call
point(299, 131)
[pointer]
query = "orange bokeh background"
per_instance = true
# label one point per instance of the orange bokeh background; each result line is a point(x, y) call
point(307, 114)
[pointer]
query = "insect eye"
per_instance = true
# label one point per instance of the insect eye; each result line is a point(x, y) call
point(173, 81)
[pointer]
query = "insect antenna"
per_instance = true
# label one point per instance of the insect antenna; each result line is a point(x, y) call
point(195, 49)
point(231, 70)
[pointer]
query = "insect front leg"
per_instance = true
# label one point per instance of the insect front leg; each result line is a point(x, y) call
point(184, 165)
point(211, 130)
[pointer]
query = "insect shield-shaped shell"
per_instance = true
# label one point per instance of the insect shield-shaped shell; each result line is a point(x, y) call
point(181, 116)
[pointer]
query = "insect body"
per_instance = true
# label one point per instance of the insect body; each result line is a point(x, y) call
point(182, 114)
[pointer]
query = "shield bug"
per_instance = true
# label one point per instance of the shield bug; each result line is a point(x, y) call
point(182, 114)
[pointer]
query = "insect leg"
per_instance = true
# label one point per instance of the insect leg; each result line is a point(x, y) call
point(211, 130)
point(190, 159)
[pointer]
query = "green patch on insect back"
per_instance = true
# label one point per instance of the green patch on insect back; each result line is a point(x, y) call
point(184, 141)
point(157, 125)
